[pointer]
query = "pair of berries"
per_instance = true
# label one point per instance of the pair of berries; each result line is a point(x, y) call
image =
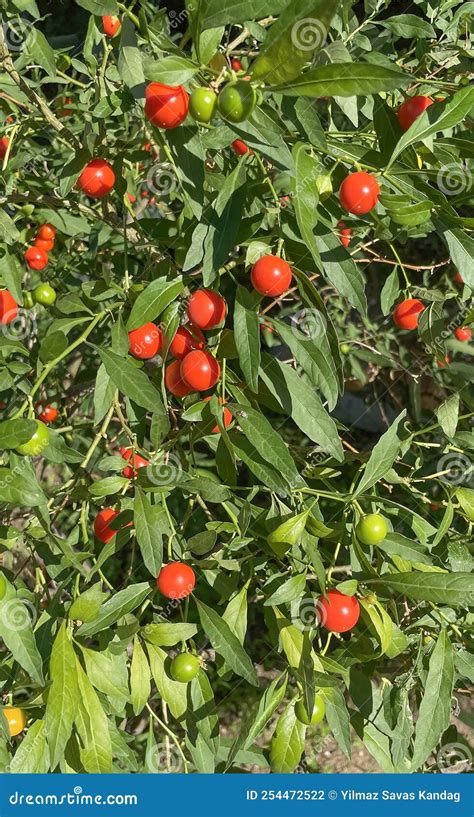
point(36, 257)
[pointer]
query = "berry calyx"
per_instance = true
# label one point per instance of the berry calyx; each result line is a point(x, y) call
point(145, 341)
point(36, 258)
point(135, 460)
point(176, 580)
point(463, 333)
point(97, 179)
point(271, 276)
point(206, 309)
point(166, 106)
point(338, 613)
point(174, 382)
point(359, 193)
point(8, 307)
point(407, 313)
point(111, 25)
point(200, 370)
point(186, 339)
point(411, 109)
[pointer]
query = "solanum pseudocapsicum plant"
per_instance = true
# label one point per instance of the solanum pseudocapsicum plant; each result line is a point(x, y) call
point(231, 480)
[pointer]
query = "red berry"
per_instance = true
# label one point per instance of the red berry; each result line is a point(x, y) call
point(206, 309)
point(176, 580)
point(130, 471)
point(200, 370)
point(187, 339)
point(463, 333)
point(4, 142)
point(359, 193)
point(227, 417)
point(102, 528)
point(46, 413)
point(442, 363)
point(411, 109)
point(145, 341)
point(47, 232)
point(132, 199)
point(407, 313)
point(345, 233)
point(8, 307)
point(97, 179)
point(284, 201)
point(236, 65)
point(338, 613)
point(458, 278)
point(111, 25)
point(240, 148)
point(166, 106)
point(46, 246)
point(36, 258)
point(174, 382)
point(271, 276)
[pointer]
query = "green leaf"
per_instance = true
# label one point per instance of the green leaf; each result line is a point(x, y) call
point(447, 414)
point(338, 718)
point(223, 221)
point(115, 607)
point(438, 117)
point(202, 725)
point(99, 7)
point(108, 486)
point(107, 672)
point(167, 634)
point(409, 25)
point(306, 196)
point(8, 231)
point(149, 530)
point(453, 589)
point(287, 743)
point(340, 270)
point(130, 380)
point(15, 432)
point(86, 607)
point(226, 643)
point(153, 301)
point(258, 717)
point(461, 249)
point(383, 455)
point(435, 709)
point(129, 60)
point(344, 79)
point(171, 70)
point(139, 678)
point(292, 42)
point(218, 13)
point(40, 51)
point(32, 755)
point(398, 545)
point(93, 727)
point(247, 335)
point(63, 695)
point(16, 631)
point(173, 692)
point(293, 588)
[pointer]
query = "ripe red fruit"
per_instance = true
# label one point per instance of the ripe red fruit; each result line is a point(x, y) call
point(102, 528)
point(271, 276)
point(36, 258)
point(227, 417)
point(206, 309)
point(359, 193)
point(132, 199)
point(166, 106)
point(240, 148)
point(8, 307)
point(174, 382)
point(47, 232)
point(463, 333)
point(4, 142)
point(46, 413)
point(338, 613)
point(345, 233)
point(200, 370)
point(130, 471)
point(176, 580)
point(442, 363)
point(46, 246)
point(111, 25)
point(407, 313)
point(145, 342)
point(411, 109)
point(97, 179)
point(187, 339)
point(236, 65)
